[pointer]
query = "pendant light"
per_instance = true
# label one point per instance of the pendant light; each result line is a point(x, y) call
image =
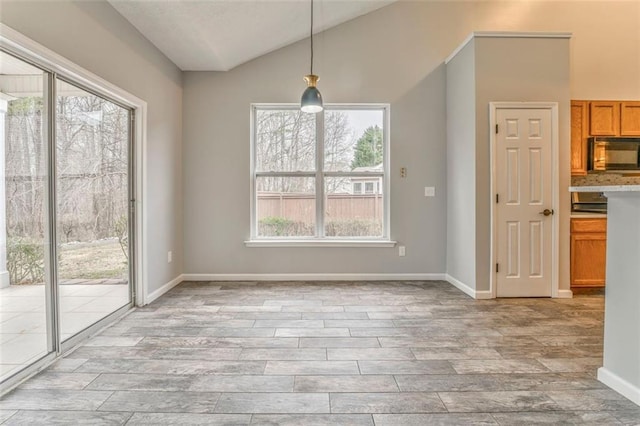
point(311, 98)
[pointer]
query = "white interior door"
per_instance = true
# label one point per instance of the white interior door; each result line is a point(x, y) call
point(524, 208)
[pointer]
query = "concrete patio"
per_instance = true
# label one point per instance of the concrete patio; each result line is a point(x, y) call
point(23, 324)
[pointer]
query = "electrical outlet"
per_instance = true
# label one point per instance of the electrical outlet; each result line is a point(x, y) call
point(429, 191)
point(401, 251)
point(169, 256)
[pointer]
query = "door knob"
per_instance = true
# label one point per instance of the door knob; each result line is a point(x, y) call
point(547, 212)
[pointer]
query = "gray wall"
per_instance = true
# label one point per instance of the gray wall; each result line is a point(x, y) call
point(96, 37)
point(392, 55)
point(519, 69)
point(622, 304)
point(461, 166)
point(368, 67)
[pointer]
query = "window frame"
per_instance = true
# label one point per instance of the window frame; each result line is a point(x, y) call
point(319, 238)
point(353, 190)
point(372, 184)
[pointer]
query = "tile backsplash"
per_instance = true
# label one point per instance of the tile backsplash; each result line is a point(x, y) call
point(602, 179)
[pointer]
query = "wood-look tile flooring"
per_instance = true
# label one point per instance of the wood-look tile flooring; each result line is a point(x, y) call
point(363, 353)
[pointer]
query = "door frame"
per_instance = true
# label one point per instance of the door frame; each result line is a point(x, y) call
point(40, 56)
point(44, 58)
point(555, 186)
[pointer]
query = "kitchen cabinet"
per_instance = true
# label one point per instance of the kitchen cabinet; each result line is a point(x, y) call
point(579, 134)
point(614, 118)
point(588, 252)
point(600, 118)
point(604, 118)
point(630, 118)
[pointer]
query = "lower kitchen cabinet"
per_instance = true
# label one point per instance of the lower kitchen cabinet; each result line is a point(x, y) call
point(588, 252)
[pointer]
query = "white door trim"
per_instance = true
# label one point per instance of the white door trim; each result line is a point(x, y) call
point(555, 185)
point(26, 48)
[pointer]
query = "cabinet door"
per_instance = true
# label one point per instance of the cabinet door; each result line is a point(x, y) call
point(579, 132)
point(630, 118)
point(604, 118)
point(588, 259)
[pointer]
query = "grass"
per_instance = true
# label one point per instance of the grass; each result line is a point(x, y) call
point(94, 260)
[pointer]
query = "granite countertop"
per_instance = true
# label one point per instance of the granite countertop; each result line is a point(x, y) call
point(605, 188)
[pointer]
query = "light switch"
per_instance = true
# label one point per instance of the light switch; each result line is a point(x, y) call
point(429, 191)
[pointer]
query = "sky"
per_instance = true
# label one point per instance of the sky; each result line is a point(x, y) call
point(360, 120)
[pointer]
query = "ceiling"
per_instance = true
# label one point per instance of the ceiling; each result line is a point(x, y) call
point(217, 35)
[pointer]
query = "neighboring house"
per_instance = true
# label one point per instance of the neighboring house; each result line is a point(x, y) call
point(365, 184)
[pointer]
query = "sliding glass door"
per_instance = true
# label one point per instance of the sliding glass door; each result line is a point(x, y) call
point(25, 275)
point(65, 222)
point(92, 184)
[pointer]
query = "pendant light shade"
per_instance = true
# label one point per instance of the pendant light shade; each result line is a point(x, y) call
point(311, 100)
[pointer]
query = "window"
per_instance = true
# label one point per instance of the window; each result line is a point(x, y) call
point(368, 188)
point(320, 176)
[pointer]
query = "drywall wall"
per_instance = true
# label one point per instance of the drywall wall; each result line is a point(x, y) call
point(519, 69)
point(621, 369)
point(461, 166)
point(216, 155)
point(605, 46)
point(94, 36)
point(392, 55)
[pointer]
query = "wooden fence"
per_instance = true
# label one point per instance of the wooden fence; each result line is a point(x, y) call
point(302, 207)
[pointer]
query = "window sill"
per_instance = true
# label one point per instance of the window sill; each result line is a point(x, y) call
point(320, 243)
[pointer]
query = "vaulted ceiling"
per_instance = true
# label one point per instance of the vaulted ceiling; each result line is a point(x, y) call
point(217, 35)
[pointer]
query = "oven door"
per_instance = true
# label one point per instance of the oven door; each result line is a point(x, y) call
point(613, 155)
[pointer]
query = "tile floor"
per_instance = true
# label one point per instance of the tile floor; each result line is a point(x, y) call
point(383, 353)
point(23, 321)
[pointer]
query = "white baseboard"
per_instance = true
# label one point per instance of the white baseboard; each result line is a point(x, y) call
point(313, 277)
point(466, 289)
point(564, 294)
point(476, 294)
point(484, 294)
point(619, 385)
point(162, 290)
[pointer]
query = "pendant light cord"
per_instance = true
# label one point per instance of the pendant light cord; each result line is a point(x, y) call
point(311, 36)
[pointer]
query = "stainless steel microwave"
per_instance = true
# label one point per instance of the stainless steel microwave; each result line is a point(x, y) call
point(614, 154)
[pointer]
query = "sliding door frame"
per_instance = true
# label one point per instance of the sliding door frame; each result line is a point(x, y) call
point(65, 345)
point(58, 67)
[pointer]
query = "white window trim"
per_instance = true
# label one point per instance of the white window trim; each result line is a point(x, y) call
point(320, 240)
point(324, 242)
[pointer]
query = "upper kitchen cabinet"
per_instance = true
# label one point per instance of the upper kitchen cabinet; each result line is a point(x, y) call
point(579, 134)
point(600, 118)
point(614, 118)
point(604, 118)
point(630, 118)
